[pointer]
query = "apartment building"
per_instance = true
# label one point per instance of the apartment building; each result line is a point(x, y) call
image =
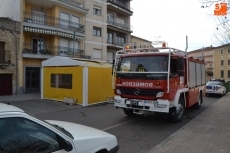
point(47, 28)
point(107, 28)
point(208, 55)
point(92, 29)
point(138, 40)
point(221, 69)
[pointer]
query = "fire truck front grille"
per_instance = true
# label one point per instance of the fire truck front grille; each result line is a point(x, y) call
point(143, 92)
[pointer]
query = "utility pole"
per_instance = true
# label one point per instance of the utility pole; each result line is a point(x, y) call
point(203, 53)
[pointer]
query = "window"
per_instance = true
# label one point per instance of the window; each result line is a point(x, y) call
point(110, 38)
point(110, 57)
point(66, 46)
point(121, 3)
point(228, 62)
point(97, 31)
point(222, 62)
point(221, 51)
point(68, 20)
point(120, 39)
point(110, 17)
point(228, 73)
point(18, 134)
point(228, 50)
point(54, 80)
point(61, 81)
point(97, 10)
point(97, 55)
point(222, 74)
point(2, 52)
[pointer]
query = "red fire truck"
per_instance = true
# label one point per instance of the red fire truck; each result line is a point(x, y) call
point(157, 79)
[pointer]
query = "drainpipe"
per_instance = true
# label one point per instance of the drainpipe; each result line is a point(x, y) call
point(74, 33)
point(16, 64)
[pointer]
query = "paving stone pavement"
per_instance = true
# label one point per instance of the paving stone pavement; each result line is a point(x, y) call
point(207, 133)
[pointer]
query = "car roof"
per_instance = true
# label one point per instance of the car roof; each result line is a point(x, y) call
point(214, 82)
point(9, 108)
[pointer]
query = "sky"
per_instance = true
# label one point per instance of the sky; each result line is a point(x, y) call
point(172, 20)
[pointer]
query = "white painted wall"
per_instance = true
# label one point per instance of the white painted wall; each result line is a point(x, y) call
point(11, 9)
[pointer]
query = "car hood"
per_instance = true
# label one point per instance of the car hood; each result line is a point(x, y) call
point(94, 138)
point(78, 130)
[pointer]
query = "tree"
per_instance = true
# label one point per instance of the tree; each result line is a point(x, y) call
point(222, 31)
point(209, 74)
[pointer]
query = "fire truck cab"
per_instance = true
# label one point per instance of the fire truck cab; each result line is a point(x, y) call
point(161, 79)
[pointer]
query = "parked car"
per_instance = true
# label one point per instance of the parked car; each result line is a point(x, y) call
point(22, 133)
point(215, 87)
point(218, 80)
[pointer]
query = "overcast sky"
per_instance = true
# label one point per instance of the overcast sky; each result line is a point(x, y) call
point(172, 20)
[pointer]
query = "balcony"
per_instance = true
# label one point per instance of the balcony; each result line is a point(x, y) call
point(39, 22)
point(73, 5)
point(119, 6)
point(47, 51)
point(5, 57)
point(115, 44)
point(116, 25)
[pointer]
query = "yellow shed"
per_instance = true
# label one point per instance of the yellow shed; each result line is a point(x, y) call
point(87, 81)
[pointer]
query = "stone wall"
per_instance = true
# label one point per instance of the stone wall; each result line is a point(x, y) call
point(6, 26)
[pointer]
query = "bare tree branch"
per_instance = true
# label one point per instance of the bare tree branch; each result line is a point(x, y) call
point(222, 32)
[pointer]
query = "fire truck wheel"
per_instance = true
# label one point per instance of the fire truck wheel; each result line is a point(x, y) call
point(128, 112)
point(200, 100)
point(177, 113)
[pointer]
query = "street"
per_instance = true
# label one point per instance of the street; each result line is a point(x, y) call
point(135, 134)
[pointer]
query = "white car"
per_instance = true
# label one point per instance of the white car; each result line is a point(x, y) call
point(22, 133)
point(215, 87)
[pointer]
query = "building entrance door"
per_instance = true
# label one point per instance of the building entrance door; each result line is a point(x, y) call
point(33, 79)
point(5, 84)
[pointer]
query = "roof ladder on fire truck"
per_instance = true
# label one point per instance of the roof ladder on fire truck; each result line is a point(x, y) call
point(179, 52)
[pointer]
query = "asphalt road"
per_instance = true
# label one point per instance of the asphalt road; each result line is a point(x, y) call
point(135, 134)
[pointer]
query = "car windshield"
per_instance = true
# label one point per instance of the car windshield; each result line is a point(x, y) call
point(213, 83)
point(143, 64)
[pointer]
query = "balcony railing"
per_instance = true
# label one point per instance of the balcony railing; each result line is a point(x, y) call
point(74, 3)
point(122, 26)
point(29, 48)
point(5, 57)
point(111, 42)
point(120, 4)
point(52, 21)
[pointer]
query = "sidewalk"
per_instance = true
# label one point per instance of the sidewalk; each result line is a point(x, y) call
point(207, 133)
point(19, 97)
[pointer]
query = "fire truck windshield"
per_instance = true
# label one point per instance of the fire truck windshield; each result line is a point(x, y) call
point(143, 64)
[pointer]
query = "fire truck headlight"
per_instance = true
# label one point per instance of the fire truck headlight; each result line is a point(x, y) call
point(160, 94)
point(118, 91)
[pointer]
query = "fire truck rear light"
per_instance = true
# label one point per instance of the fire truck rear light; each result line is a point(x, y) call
point(160, 94)
point(157, 83)
point(118, 91)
